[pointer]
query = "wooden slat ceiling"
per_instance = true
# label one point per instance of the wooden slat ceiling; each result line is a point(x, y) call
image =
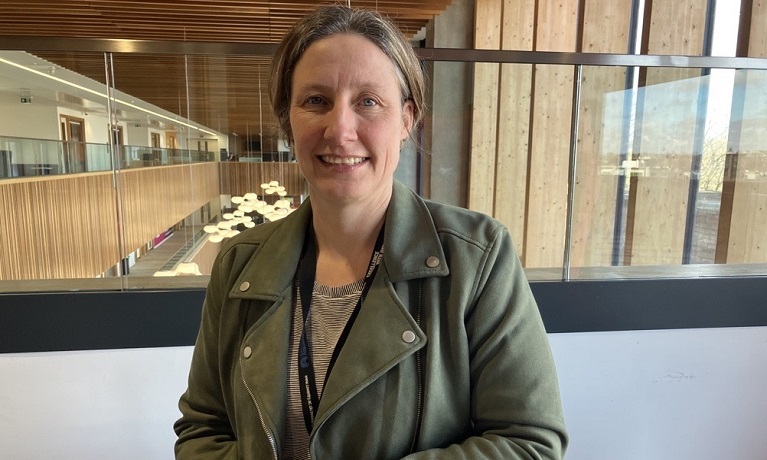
point(224, 91)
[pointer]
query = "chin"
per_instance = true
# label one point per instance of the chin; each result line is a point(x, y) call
point(345, 192)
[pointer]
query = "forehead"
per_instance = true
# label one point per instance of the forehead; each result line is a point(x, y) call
point(345, 57)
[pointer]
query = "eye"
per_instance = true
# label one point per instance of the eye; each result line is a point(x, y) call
point(314, 100)
point(369, 102)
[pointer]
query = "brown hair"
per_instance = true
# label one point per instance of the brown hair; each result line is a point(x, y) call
point(330, 20)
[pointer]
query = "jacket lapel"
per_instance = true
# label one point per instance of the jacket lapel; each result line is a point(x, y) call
point(377, 341)
point(264, 369)
point(375, 345)
point(269, 277)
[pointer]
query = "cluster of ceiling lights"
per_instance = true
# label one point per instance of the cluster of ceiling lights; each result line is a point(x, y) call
point(246, 205)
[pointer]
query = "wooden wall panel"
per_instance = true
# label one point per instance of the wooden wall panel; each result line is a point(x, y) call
point(484, 123)
point(556, 30)
point(154, 199)
point(676, 27)
point(606, 25)
point(658, 204)
point(60, 227)
point(530, 131)
point(513, 150)
point(57, 227)
point(521, 125)
point(514, 100)
point(748, 226)
point(484, 131)
point(757, 42)
point(744, 198)
point(747, 205)
point(549, 170)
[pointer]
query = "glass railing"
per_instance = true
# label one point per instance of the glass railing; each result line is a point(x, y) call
point(615, 169)
point(670, 177)
point(140, 157)
point(22, 157)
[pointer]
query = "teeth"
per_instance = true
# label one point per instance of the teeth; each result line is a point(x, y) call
point(343, 160)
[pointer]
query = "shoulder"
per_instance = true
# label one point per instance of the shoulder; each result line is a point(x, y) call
point(251, 237)
point(471, 226)
point(270, 240)
point(287, 230)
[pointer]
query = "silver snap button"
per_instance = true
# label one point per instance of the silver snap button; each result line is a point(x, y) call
point(244, 286)
point(408, 336)
point(247, 352)
point(432, 262)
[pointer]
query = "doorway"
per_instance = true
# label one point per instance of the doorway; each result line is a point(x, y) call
point(73, 137)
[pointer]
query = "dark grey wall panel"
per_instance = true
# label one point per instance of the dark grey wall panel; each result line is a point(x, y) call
point(581, 306)
point(98, 320)
point(132, 319)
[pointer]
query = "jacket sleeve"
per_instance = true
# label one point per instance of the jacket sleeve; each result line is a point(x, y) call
point(515, 403)
point(204, 429)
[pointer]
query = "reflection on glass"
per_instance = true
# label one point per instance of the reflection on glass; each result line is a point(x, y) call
point(226, 95)
point(673, 171)
point(75, 226)
point(671, 163)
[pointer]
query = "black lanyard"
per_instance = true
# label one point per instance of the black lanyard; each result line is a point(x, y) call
point(310, 398)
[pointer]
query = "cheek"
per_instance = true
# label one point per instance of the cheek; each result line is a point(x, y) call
point(302, 129)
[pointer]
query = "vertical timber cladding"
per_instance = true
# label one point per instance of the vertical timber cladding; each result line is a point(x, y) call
point(521, 124)
point(57, 227)
point(606, 26)
point(551, 130)
point(744, 194)
point(757, 42)
point(484, 123)
point(515, 98)
point(155, 199)
point(658, 202)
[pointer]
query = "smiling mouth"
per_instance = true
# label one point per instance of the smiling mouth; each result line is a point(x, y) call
point(343, 160)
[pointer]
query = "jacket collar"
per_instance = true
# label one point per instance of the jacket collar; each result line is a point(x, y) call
point(279, 249)
point(410, 240)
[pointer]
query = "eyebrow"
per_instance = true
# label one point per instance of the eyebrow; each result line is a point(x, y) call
point(367, 86)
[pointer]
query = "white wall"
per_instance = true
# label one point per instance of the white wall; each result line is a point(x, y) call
point(679, 394)
point(665, 395)
point(111, 404)
point(37, 120)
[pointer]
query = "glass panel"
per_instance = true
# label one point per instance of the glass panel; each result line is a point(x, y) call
point(210, 162)
point(670, 173)
point(169, 175)
point(57, 196)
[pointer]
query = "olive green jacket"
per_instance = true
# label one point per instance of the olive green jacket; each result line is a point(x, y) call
point(477, 382)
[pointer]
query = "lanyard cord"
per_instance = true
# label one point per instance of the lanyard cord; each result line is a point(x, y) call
point(306, 275)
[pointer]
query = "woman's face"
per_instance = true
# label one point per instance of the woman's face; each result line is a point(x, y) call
point(348, 120)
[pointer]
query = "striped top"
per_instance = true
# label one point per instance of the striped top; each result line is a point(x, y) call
point(330, 311)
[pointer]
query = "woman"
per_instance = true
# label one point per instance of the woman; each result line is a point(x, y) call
point(368, 324)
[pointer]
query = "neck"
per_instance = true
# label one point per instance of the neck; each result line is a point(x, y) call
point(345, 237)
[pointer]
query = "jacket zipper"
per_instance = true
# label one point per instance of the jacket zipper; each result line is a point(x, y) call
point(419, 375)
point(269, 434)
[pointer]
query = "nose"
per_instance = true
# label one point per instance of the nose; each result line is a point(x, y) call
point(341, 124)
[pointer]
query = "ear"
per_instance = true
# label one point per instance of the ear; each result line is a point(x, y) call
point(407, 118)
